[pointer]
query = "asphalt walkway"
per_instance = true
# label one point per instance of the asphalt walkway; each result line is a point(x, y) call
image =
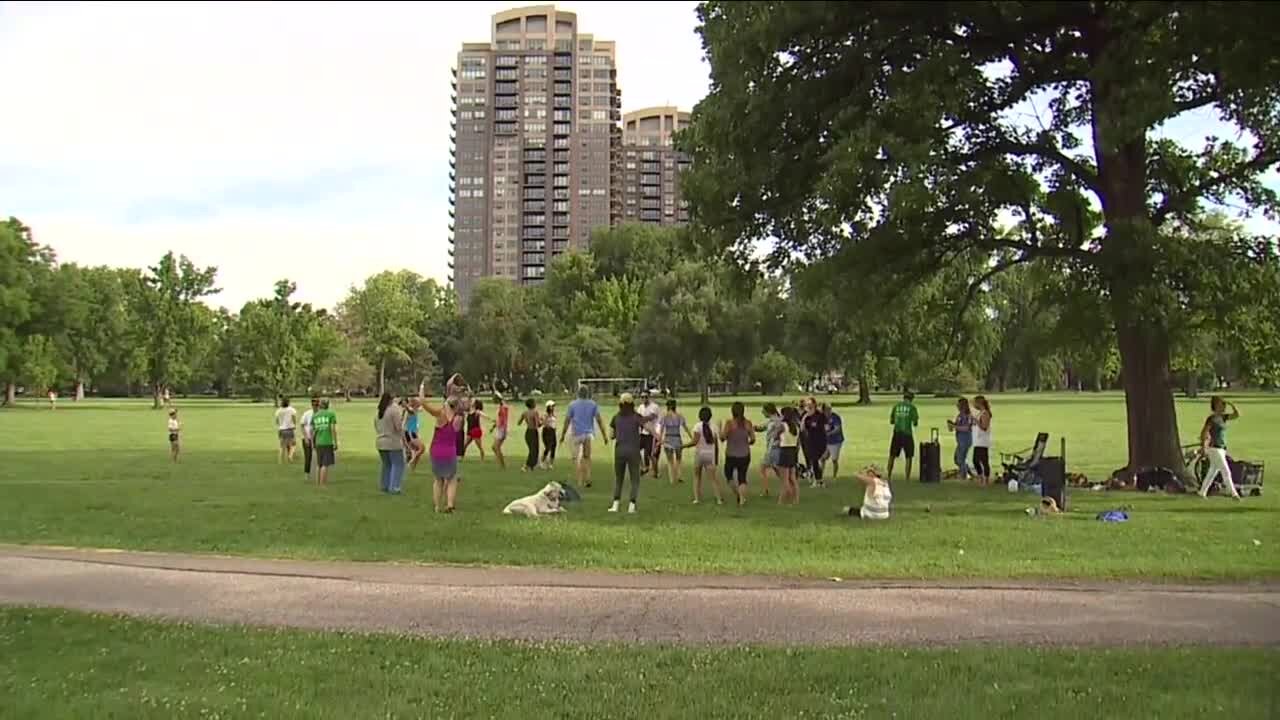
point(549, 605)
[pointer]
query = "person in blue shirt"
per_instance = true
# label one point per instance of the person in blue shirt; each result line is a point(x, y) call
point(583, 417)
point(835, 439)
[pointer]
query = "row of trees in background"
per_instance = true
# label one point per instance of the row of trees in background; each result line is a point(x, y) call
point(640, 302)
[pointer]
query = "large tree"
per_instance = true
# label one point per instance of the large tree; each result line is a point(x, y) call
point(890, 140)
point(683, 329)
point(385, 318)
point(273, 336)
point(24, 266)
point(166, 326)
point(94, 321)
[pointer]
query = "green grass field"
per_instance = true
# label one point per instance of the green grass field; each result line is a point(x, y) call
point(98, 474)
point(68, 665)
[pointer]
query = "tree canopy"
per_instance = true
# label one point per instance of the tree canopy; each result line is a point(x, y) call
point(891, 142)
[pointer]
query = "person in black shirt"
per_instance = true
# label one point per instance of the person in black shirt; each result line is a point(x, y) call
point(814, 438)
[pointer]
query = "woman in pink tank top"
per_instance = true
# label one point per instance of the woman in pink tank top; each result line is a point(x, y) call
point(444, 453)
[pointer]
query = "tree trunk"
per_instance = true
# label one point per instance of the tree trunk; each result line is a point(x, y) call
point(157, 401)
point(1193, 385)
point(1148, 398)
point(10, 394)
point(79, 390)
point(382, 376)
point(864, 390)
point(346, 394)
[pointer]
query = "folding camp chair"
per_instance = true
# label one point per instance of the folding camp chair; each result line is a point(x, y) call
point(1021, 466)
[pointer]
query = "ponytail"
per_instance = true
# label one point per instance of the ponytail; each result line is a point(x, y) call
point(708, 434)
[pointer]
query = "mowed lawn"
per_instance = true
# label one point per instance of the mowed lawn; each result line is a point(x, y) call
point(98, 474)
point(65, 665)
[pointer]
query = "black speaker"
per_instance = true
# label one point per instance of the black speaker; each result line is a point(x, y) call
point(1052, 472)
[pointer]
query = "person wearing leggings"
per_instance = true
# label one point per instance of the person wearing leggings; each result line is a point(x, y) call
point(531, 421)
point(814, 437)
point(549, 436)
point(739, 436)
point(625, 428)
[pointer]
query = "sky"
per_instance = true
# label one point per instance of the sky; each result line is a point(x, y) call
point(273, 140)
point(308, 141)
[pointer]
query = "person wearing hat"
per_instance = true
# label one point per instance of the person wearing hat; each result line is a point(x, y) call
point(625, 429)
point(549, 436)
point(650, 413)
point(904, 417)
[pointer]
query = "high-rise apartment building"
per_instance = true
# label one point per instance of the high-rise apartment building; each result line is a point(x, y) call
point(535, 143)
point(648, 171)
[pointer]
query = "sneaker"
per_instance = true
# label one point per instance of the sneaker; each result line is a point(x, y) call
point(614, 507)
point(631, 508)
point(697, 502)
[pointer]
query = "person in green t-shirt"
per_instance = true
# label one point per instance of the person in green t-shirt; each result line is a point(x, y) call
point(904, 418)
point(324, 431)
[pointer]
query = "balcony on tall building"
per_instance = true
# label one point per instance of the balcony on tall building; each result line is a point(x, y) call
point(505, 128)
point(563, 88)
point(562, 74)
point(563, 60)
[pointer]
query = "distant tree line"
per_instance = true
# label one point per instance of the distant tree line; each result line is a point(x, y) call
point(640, 303)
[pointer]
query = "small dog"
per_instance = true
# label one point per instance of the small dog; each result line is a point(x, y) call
point(544, 502)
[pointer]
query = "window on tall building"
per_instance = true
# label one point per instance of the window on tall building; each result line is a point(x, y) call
point(602, 74)
point(534, 128)
point(535, 59)
point(599, 114)
point(537, 44)
point(506, 60)
point(505, 114)
point(599, 191)
point(535, 113)
point(531, 73)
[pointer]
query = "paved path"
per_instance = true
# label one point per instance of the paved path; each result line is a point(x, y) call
point(531, 604)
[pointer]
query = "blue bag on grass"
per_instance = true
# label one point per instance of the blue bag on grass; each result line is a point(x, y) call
point(1113, 516)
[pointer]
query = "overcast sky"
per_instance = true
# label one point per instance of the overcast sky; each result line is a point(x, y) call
point(307, 141)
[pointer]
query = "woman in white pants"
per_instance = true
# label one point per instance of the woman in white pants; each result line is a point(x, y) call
point(1213, 442)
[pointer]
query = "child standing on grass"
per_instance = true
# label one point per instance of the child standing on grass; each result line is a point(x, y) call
point(175, 428)
point(876, 497)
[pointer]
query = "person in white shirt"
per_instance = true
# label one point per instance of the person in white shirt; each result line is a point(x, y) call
point(649, 412)
point(286, 420)
point(307, 435)
point(876, 498)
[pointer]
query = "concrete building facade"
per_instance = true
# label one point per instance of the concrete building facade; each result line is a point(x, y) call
point(535, 146)
point(648, 171)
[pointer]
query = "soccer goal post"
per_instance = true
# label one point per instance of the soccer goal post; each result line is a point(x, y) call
point(613, 387)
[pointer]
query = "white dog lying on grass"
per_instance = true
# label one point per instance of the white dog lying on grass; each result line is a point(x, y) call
point(544, 502)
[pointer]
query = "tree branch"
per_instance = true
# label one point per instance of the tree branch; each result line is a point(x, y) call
point(972, 292)
point(1081, 172)
point(1180, 201)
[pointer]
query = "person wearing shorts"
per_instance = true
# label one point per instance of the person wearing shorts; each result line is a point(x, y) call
point(904, 417)
point(175, 429)
point(706, 457)
point(324, 425)
point(835, 439)
point(772, 429)
point(583, 417)
point(499, 429)
point(475, 434)
point(789, 456)
point(286, 421)
point(444, 455)
point(738, 437)
point(650, 415)
point(670, 427)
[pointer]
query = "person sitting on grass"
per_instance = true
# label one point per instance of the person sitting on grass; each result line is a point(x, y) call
point(876, 497)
